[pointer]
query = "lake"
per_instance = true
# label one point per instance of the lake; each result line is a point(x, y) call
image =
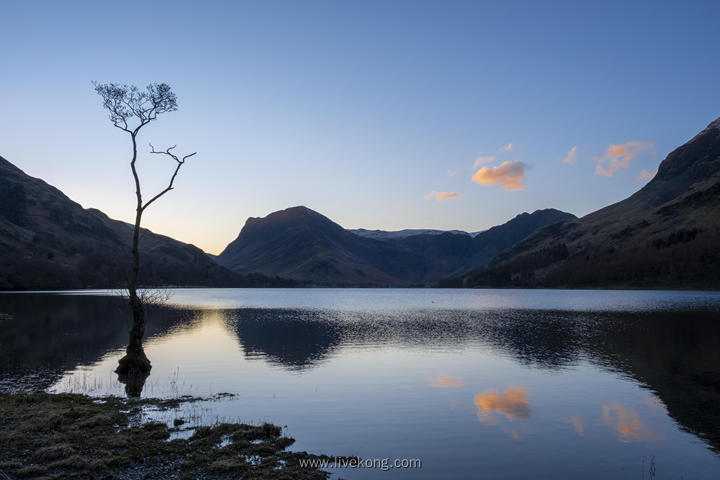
point(496, 384)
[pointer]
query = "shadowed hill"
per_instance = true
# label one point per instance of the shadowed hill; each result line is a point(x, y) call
point(302, 244)
point(665, 235)
point(408, 232)
point(47, 241)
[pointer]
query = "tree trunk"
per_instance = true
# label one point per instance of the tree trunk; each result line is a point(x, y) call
point(135, 361)
point(135, 364)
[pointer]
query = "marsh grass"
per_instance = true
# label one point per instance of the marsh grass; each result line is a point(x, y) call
point(53, 436)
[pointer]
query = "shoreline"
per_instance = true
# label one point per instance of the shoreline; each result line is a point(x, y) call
point(63, 435)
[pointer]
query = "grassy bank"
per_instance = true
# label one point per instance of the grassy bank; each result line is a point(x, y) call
point(52, 436)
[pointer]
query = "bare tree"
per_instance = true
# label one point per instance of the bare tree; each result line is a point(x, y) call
point(130, 110)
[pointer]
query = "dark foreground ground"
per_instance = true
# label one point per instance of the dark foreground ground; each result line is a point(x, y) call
point(52, 436)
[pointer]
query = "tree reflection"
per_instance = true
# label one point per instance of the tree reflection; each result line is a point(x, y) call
point(674, 354)
point(47, 335)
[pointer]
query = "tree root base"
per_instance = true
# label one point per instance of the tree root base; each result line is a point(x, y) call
point(133, 369)
point(134, 364)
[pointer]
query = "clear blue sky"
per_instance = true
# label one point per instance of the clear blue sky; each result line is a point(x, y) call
point(359, 110)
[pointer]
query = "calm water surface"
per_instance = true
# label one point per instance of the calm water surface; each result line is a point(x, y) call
point(476, 383)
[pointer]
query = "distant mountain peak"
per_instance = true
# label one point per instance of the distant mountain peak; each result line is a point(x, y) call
point(407, 232)
point(287, 214)
point(296, 210)
point(299, 215)
point(302, 244)
point(694, 161)
point(542, 213)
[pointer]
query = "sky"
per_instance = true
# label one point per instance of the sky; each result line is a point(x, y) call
point(379, 115)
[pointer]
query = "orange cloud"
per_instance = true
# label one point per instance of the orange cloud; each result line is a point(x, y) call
point(619, 156)
point(578, 425)
point(512, 403)
point(509, 175)
point(440, 196)
point(627, 423)
point(571, 156)
point(480, 160)
point(644, 175)
point(506, 148)
point(443, 381)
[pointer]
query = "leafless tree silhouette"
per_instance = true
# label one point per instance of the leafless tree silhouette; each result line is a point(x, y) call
point(130, 110)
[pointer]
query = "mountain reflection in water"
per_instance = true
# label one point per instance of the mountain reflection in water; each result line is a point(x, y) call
point(673, 354)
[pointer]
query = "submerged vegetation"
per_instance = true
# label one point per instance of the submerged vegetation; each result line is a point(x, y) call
point(53, 436)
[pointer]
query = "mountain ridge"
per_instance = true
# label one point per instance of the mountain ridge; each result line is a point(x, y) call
point(48, 241)
point(302, 244)
point(664, 235)
point(407, 232)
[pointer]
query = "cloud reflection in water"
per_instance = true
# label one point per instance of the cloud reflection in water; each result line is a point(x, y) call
point(512, 403)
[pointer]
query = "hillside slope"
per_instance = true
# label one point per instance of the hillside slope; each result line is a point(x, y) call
point(665, 235)
point(302, 244)
point(47, 241)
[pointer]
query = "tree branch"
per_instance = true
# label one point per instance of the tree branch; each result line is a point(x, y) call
point(179, 162)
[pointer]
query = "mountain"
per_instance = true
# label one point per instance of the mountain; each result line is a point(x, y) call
point(301, 244)
point(47, 241)
point(665, 235)
point(396, 234)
